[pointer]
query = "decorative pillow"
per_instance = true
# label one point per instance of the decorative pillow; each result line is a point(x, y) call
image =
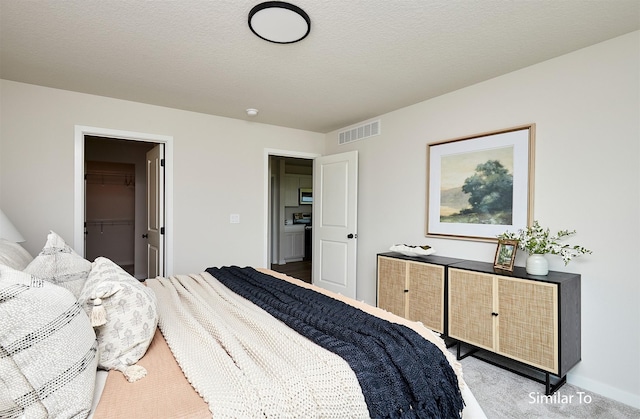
point(124, 314)
point(48, 349)
point(59, 264)
point(13, 255)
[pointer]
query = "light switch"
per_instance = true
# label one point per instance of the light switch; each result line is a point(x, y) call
point(234, 218)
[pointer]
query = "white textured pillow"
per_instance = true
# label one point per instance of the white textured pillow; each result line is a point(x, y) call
point(124, 314)
point(59, 264)
point(48, 349)
point(13, 255)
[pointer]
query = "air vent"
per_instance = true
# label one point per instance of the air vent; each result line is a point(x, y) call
point(360, 132)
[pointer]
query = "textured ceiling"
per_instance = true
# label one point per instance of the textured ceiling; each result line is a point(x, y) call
point(362, 58)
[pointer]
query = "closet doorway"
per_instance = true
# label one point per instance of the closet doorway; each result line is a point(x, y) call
point(116, 202)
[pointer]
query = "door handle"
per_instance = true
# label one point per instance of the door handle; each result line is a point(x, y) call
point(352, 236)
point(145, 236)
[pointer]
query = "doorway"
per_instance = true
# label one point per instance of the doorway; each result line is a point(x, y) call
point(290, 220)
point(335, 232)
point(114, 146)
point(115, 202)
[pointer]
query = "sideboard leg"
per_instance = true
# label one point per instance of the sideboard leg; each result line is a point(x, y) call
point(552, 388)
point(471, 352)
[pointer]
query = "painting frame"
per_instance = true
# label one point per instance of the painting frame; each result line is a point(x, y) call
point(505, 254)
point(451, 161)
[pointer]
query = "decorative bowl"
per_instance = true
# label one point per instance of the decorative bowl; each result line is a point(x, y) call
point(412, 250)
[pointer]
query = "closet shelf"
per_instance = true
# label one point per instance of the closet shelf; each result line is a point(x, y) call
point(110, 178)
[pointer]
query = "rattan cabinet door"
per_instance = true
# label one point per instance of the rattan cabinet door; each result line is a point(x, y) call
point(426, 295)
point(392, 278)
point(471, 315)
point(527, 322)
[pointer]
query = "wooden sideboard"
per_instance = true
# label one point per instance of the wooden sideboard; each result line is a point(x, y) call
point(534, 320)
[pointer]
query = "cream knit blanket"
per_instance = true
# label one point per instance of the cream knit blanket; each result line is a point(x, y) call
point(245, 363)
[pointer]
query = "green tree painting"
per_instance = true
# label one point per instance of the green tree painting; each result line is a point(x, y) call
point(485, 195)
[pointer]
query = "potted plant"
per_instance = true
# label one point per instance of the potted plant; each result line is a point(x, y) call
point(537, 242)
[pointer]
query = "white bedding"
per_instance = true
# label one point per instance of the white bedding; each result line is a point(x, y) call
point(101, 379)
point(472, 408)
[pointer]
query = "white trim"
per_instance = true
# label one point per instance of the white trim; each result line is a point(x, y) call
point(280, 153)
point(78, 205)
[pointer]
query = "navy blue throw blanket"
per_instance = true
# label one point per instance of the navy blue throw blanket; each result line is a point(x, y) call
point(401, 373)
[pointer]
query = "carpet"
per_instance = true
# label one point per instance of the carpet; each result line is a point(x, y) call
point(503, 394)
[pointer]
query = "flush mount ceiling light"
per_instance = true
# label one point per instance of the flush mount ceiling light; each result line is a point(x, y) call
point(279, 22)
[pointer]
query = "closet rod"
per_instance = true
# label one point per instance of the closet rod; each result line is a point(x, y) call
point(109, 222)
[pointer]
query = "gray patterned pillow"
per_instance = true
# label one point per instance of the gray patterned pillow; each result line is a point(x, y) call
point(59, 264)
point(124, 314)
point(48, 349)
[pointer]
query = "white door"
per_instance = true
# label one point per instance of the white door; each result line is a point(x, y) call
point(335, 232)
point(155, 212)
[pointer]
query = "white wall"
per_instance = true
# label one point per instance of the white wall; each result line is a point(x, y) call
point(586, 109)
point(218, 169)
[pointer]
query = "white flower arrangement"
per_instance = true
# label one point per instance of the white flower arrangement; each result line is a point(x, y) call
point(536, 240)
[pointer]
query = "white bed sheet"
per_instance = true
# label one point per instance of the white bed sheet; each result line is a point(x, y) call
point(101, 379)
point(472, 409)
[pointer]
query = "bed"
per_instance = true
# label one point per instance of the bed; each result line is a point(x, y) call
point(223, 348)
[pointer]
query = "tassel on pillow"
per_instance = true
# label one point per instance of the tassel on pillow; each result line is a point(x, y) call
point(134, 372)
point(98, 313)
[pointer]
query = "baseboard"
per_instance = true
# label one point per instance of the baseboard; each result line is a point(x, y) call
point(605, 390)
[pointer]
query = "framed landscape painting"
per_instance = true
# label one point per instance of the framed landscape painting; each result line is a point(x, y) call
point(480, 186)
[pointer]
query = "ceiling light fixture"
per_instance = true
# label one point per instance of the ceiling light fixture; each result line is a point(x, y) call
point(279, 22)
point(252, 112)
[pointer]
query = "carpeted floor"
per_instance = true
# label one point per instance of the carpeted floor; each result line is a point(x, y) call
point(503, 394)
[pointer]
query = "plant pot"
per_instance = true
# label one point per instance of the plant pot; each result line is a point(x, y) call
point(537, 265)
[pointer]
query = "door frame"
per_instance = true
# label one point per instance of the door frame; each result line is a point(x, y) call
point(268, 152)
point(79, 194)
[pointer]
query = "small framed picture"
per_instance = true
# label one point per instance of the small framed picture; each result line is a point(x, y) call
point(505, 254)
